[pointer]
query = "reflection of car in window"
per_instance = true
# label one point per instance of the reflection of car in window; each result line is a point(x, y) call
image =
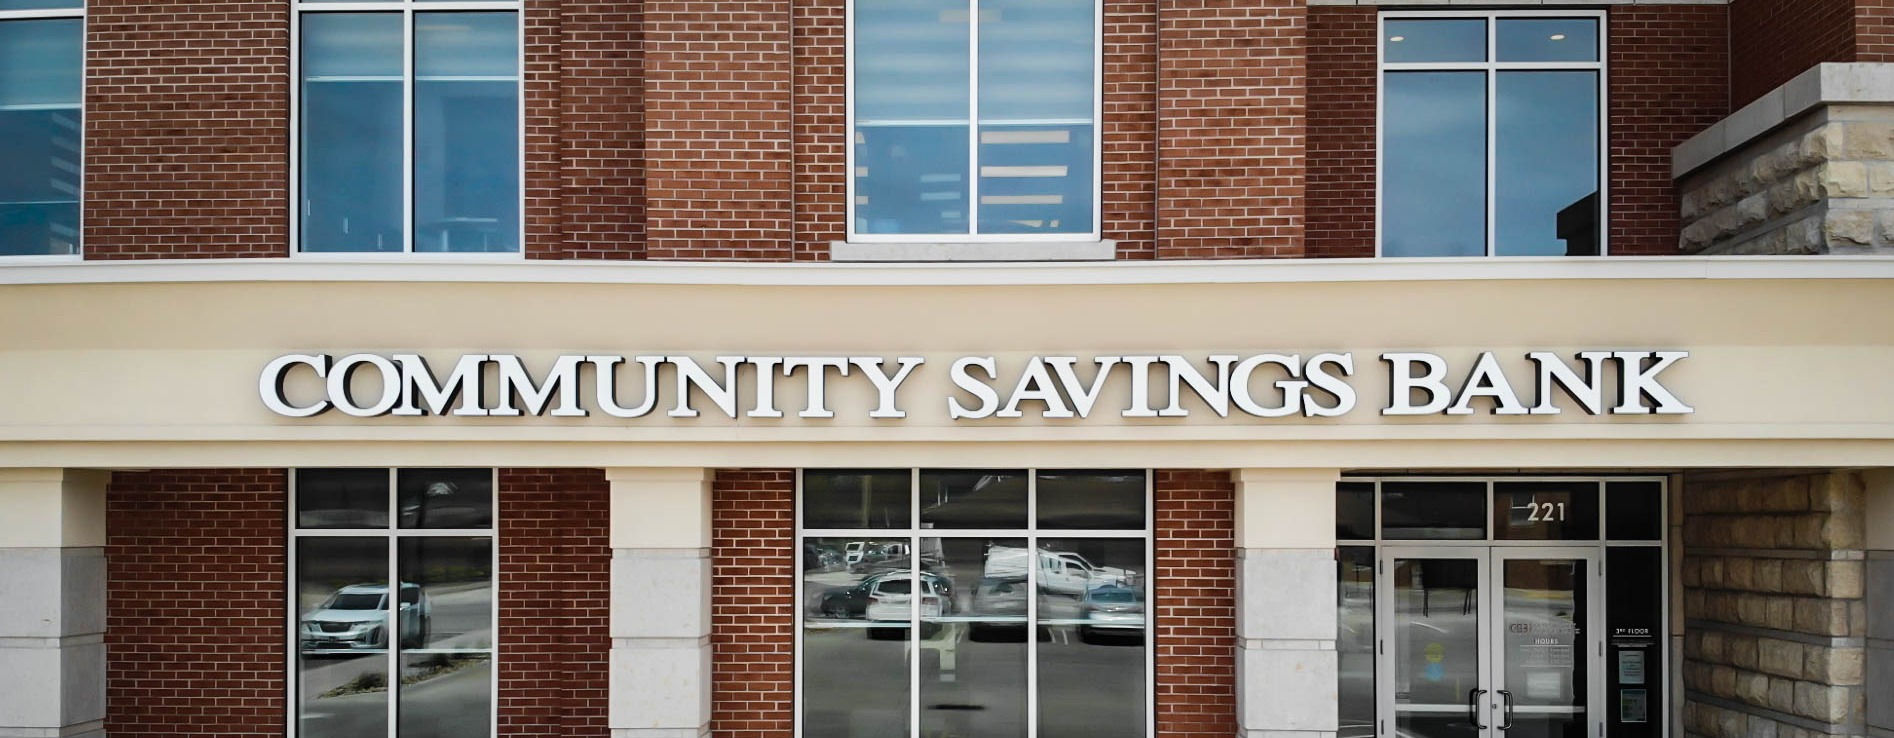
point(1112, 611)
point(355, 616)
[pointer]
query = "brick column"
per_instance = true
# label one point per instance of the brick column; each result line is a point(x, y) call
point(52, 603)
point(660, 612)
point(1231, 100)
point(1285, 538)
point(1880, 600)
point(1775, 621)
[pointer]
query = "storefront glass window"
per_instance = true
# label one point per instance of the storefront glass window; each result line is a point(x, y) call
point(409, 125)
point(41, 63)
point(974, 129)
point(395, 623)
point(974, 623)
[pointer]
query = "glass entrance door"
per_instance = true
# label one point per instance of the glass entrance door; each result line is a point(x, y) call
point(1488, 642)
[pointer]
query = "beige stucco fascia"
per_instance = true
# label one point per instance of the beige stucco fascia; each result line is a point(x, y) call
point(125, 373)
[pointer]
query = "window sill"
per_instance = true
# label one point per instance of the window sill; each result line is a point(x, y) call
point(984, 251)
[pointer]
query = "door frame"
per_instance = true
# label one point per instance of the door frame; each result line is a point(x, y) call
point(1490, 606)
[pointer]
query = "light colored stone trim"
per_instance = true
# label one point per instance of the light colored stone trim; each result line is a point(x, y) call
point(1287, 596)
point(1815, 726)
point(1013, 251)
point(1287, 690)
point(90, 729)
point(1286, 508)
point(660, 508)
point(1826, 84)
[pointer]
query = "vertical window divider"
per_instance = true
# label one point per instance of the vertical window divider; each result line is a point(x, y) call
point(973, 118)
point(409, 49)
point(914, 602)
point(1032, 603)
point(1492, 139)
point(391, 631)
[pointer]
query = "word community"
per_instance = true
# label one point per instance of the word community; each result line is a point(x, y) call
point(1155, 386)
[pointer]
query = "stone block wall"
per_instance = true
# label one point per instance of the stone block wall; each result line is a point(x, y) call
point(1822, 184)
point(1775, 616)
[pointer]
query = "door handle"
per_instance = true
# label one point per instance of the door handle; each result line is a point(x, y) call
point(1506, 716)
point(1473, 707)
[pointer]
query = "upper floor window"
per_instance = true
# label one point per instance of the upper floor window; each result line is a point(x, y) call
point(408, 120)
point(970, 131)
point(42, 61)
point(1491, 134)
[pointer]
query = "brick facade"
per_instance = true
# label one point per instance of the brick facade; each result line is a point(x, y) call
point(1342, 118)
point(753, 570)
point(219, 537)
point(1669, 81)
point(187, 129)
point(196, 583)
point(1775, 40)
point(555, 602)
point(1194, 588)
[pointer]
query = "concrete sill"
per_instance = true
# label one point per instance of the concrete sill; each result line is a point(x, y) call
point(986, 251)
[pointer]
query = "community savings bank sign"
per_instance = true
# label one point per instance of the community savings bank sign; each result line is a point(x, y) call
point(978, 387)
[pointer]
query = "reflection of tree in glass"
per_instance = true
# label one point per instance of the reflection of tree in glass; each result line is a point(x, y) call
point(439, 665)
point(370, 682)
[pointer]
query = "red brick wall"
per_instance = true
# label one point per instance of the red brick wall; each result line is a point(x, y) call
point(555, 602)
point(187, 113)
point(1194, 587)
point(196, 562)
point(753, 570)
point(1775, 40)
point(1874, 30)
point(1669, 68)
point(601, 133)
point(1230, 128)
point(820, 126)
point(541, 43)
point(717, 99)
point(1341, 131)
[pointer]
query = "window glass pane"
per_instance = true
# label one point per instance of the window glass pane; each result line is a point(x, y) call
point(911, 65)
point(351, 124)
point(1548, 39)
point(1546, 168)
point(466, 132)
point(1545, 511)
point(856, 498)
point(1354, 511)
point(1096, 500)
point(973, 499)
point(446, 592)
point(1433, 200)
point(342, 594)
point(40, 126)
point(1635, 654)
point(1036, 178)
point(446, 498)
point(446, 696)
point(1440, 40)
point(1355, 638)
point(341, 498)
point(343, 696)
point(973, 637)
point(41, 4)
point(1634, 511)
point(854, 674)
point(1433, 511)
point(1092, 614)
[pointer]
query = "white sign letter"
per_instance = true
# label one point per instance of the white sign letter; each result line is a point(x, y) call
point(1402, 383)
point(270, 385)
point(989, 400)
point(1638, 381)
point(886, 386)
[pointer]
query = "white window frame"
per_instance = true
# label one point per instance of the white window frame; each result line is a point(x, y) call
point(407, 9)
point(1032, 533)
point(78, 248)
point(393, 533)
point(973, 142)
point(1492, 70)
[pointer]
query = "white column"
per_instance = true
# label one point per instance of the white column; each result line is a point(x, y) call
point(660, 623)
point(1879, 590)
point(52, 603)
point(1285, 539)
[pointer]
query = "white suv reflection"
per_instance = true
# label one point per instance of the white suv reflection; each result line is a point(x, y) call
point(354, 617)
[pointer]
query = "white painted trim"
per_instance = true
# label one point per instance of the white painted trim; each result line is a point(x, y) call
point(789, 274)
point(975, 251)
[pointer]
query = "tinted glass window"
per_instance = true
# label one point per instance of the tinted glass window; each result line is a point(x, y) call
point(856, 498)
point(1634, 511)
point(466, 132)
point(1545, 511)
point(1546, 168)
point(40, 131)
point(1433, 200)
point(973, 499)
point(1426, 511)
point(342, 498)
point(1102, 500)
point(352, 131)
point(1442, 40)
point(1548, 39)
point(1354, 511)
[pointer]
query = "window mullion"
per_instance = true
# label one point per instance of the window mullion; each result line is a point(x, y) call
point(973, 118)
point(1032, 603)
point(391, 630)
point(914, 600)
point(407, 129)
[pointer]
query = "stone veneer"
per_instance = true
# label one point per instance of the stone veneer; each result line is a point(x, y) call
point(1776, 621)
point(1806, 169)
point(1824, 184)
